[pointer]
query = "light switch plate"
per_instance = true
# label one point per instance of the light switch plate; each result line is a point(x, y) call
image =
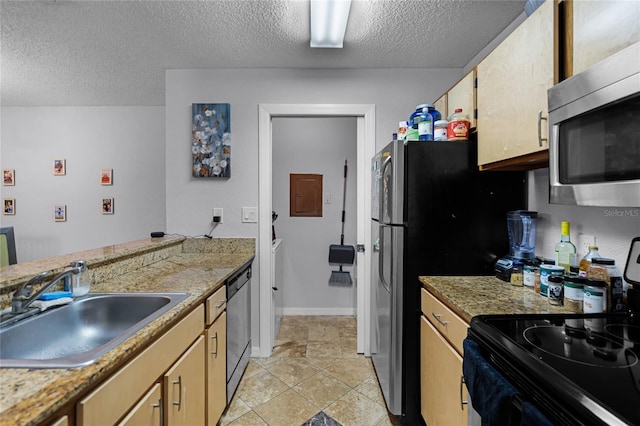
point(249, 214)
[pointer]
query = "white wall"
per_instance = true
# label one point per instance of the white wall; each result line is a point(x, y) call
point(395, 94)
point(317, 146)
point(614, 228)
point(129, 140)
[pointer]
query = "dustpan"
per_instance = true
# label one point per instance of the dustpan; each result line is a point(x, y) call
point(341, 254)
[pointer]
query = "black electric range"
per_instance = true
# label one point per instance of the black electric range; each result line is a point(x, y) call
point(578, 369)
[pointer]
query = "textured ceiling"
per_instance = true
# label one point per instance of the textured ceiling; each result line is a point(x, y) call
point(115, 52)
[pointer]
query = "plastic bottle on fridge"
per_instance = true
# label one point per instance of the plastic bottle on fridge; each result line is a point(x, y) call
point(458, 127)
point(422, 121)
point(440, 130)
point(425, 128)
point(435, 114)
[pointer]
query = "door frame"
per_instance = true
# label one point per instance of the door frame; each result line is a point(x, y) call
point(365, 119)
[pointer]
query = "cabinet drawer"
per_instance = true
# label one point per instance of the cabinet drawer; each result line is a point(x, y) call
point(111, 400)
point(148, 411)
point(450, 325)
point(216, 304)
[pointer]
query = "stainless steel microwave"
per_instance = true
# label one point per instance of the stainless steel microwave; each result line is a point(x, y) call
point(594, 134)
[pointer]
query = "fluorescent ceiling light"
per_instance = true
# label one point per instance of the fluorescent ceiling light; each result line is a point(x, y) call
point(329, 22)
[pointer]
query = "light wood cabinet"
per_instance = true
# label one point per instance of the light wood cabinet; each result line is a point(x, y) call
point(463, 95)
point(443, 395)
point(450, 325)
point(216, 304)
point(441, 105)
point(184, 388)
point(216, 369)
point(118, 394)
point(602, 28)
point(512, 91)
point(62, 421)
point(440, 380)
point(148, 412)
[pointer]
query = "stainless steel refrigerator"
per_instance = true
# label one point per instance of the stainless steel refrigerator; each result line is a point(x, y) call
point(433, 213)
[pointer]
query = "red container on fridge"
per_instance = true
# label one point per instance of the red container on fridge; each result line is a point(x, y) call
point(458, 128)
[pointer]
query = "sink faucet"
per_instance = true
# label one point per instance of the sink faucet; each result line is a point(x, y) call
point(22, 298)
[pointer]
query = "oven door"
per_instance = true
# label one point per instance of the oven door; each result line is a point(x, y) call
point(594, 148)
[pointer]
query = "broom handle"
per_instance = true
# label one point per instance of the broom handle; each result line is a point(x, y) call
point(344, 200)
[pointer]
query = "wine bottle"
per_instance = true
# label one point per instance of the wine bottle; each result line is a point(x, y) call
point(565, 250)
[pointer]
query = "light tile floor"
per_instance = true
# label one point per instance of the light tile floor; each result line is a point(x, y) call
point(313, 377)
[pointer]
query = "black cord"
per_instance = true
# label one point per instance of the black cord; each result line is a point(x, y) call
point(213, 226)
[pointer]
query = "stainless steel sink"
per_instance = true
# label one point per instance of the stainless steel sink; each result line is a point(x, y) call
point(77, 334)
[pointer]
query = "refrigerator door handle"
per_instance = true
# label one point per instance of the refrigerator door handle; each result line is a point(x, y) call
point(382, 194)
point(381, 262)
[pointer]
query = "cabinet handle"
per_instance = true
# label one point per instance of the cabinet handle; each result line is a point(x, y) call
point(221, 304)
point(437, 317)
point(462, 402)
point(540, 138)
point(159, 407)
point(215, 337)
point(179, 383)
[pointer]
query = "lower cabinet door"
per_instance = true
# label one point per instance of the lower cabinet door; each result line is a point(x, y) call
point(62, 421)
point(441, 387)
point(216, 369)
point(148, 412)
point(184, 393)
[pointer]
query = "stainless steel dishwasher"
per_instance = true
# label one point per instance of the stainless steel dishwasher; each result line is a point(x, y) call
point(238, 326)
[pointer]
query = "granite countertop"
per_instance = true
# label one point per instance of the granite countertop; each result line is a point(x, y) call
point(486, 295)
point(28, 397)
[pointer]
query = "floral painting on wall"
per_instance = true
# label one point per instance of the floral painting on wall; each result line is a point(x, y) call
point(211, 140)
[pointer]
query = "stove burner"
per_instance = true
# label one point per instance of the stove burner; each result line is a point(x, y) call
point(626, 332)
point(581, 347)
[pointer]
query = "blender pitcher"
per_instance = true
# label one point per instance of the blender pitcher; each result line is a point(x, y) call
point(521, 225)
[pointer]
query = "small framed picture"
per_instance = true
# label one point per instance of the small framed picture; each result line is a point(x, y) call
point(59, 213)
point(107, 205)
point(106, 176)
point(59, 167)
point(8, 177)
point(8, 206)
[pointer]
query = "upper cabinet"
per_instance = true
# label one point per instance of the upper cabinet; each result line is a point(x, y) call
point(441, 105)
point(463, 95)
point(602, 28)
point(512, 94)
point(507, 90)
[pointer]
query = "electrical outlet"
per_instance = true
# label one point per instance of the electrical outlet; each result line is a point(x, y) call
point(217, 212)
point(584, 241)
point(327, 198)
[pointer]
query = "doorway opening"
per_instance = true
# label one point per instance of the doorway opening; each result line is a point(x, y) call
point(365, 124)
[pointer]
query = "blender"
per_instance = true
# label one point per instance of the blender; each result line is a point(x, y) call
point(521, 228)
